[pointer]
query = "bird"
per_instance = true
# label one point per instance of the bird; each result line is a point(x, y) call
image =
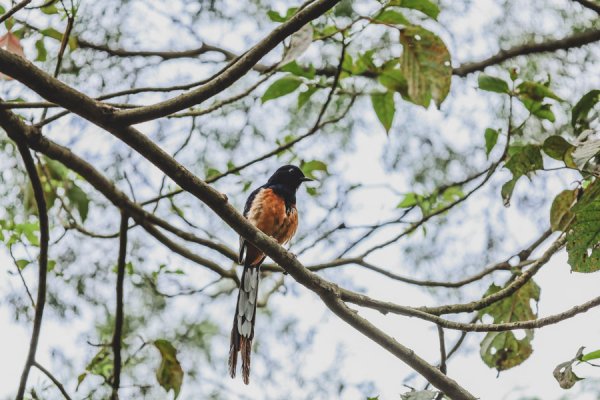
point(272, 209)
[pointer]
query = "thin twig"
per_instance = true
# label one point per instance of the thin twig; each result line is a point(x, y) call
point(117, 337)
point(38, 192)
point(56, 382)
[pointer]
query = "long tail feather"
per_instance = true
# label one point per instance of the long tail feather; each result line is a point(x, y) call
point(242, 331)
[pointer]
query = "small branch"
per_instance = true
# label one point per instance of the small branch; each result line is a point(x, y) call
point(56, 382)
point(38, 192)
point(575, 40)
point(13, 10)
point(592, 5)
point(443, 366)
point(117, 337)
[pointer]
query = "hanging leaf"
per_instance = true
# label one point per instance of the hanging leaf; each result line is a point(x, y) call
point(276, 17)
point(79, 199)
point(523, 161)
point(308, 168)
point(385, 108)
point(556, 147)
point(303, 97)
point(491, 138)
point(11, 43)
point(425, 63)
point(299, 42)
point(502, 350)
point(427, 7)
point(169, 373)
point(393, 79)
point(560, 212)
point(581, 110)
point(492, 84)
point(391, 17)
point(281, 87)
point(583, 239)
point(564, 374)
point(536, 91)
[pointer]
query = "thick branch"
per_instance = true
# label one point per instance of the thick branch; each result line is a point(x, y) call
point(235, 71)
point(90, 110)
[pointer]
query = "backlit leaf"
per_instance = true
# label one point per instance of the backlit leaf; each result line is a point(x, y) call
point(281, 87)
point(385, 108)
point(491, 138)
point(502, 350)
point(492, 84)
point(583, 239)
point(582, 108)
point(427, 7)
point(169, 373)
point(425, 63)
point(560, 212)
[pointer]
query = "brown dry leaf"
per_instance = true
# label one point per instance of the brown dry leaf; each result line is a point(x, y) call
point(12, 44)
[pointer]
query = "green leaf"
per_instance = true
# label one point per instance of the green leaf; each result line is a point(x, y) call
point(79, 199)
point(409, 200)
point(52, 33)
point(49, 9)
point(308, 168)
point(581, 110)
point(425, 63)
point(393, 79)
point(427, 7)
point(169, 373)
point(536, 91)
point(560, 212)
point(539, 109)
point(591, 356)
point(523, 160)
point(21, 264)
point(502, 350)
point(583, 239)
point(51, 265)
point(42, 54)
point(303, 97)
point(101, 365)
point(385, 108)
point(281, 87)
point(391, 17)
point(492, 84)
point(491, 138)
point(295, 69)
point(556, 147)
point(276, 17)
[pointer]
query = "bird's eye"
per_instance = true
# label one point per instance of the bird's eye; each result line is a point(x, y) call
point(291, 170)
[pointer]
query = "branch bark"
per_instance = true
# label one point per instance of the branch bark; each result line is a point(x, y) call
point(118, 332)
point(43, 259)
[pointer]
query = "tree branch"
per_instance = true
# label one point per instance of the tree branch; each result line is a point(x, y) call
point(575, 40)
point(13, 10)
point(90, 110)
point(118, 332)
point(592, 5)
point(38, 192)
point(56, 382)
point(235, 71)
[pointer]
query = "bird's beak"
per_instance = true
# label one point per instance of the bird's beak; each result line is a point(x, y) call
point(305, 179)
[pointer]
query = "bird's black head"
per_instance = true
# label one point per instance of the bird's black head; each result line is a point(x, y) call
point(288, 175)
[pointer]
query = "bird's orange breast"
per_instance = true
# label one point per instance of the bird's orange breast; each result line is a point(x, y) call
point(268, 213)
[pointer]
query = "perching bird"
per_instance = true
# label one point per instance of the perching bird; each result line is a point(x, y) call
point(272, 209)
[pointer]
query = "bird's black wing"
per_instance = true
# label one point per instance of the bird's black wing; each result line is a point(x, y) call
point(247, 207)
